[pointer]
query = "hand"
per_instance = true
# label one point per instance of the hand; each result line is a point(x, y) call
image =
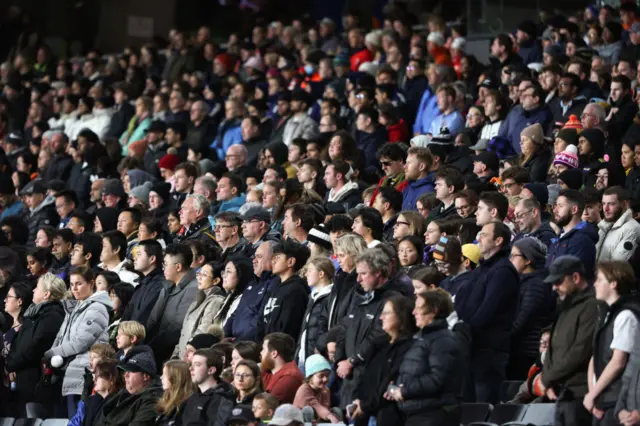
point(12, 377)
point(396, 394)
point(633, 420)
point(358, 411)
point(344, 369)
point(598, 413)
point(551, 394)
point(589, 402)
point(623, 415)
point(333, 419)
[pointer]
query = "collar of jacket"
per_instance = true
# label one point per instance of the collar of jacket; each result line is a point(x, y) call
point(578, 297)
point(627, 216)
point(370, 296)
point(501, 254)
point(437, 324)
point(147, 278)
point(200, 224)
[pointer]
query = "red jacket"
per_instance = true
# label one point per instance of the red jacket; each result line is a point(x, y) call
point(398, 132)
point(360, 58)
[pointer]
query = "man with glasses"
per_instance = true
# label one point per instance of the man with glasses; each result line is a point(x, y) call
point(513, 180)
point(166, 318)
point(256, 227)
point(466, 203)
point(529, 221)
point(531, 110)
point(66, 203)
point(593, 116)
point(568, 102)
point(236, 159)
point(229, 235)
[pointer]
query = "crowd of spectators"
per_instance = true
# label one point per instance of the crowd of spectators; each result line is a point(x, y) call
point(367, 225)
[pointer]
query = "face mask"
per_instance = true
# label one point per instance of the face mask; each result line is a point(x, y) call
point(308, 69)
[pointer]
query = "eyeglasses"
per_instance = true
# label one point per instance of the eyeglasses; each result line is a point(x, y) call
point(513, 255)
point(203, 275)
point(462, 208)
point(400, 222)
point(242, 376)
point(386, 163)
point(219, 227)
point(522, 215)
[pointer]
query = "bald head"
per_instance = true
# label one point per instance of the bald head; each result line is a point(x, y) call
point(593, 116)
point(236, 156)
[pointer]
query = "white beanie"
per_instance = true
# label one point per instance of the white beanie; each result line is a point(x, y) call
point(436, 38)
point(459, 43)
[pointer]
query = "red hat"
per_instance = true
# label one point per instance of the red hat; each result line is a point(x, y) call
point(226, 60)
point(169, 162)
point(573, 123)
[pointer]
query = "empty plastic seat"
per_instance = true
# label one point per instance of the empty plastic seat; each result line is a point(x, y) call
point(475, 412)
point(509, 389)
point(540, 414)
point(7, 421)
point(28, 422)
point(55, 422)
point(503, 413)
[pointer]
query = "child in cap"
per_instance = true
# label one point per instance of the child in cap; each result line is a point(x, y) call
point(313, 397)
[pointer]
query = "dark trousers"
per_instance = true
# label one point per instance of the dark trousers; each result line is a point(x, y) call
point(571, 413)
point(440, 417)
point(609, 418)
point(487, 371)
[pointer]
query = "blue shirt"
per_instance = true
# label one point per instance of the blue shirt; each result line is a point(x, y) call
point(453, 121)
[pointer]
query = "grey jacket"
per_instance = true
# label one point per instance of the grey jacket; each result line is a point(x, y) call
point(85, 324)
point(200, 316)
point(167, 316)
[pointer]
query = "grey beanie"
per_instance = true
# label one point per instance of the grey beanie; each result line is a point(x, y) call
point(533, 250)
point(141, 192)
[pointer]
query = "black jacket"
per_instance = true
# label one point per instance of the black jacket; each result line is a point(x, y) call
point(93, 408)
point(44, 214)
point(388, 228)
point(535, 308)
point(538, 165)
point(120, 120)
point(80, 183)
point(145, 297)
point(414, 89)
point(577, 105)
point(211, 408)
point(545, 234)
point(429, 373)
point(285, 308)
point(201, 230)
point(59, 168)
point(124, 409)
point(314, 324)
point(620, 122)
point(39, 329)
point(382, 369)
point(200, 137)
point(633, 183)
point(152, 157)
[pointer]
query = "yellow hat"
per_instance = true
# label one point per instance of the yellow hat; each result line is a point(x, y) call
point(471, 252)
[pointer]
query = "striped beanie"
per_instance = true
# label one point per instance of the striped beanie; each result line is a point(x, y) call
point(568, 157)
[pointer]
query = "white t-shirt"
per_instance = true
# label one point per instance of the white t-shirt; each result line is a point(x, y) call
point(625, 332)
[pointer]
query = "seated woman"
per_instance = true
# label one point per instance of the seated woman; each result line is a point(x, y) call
point(177, 386)
point(247, 379)
point(410, 250)
point(106, 382)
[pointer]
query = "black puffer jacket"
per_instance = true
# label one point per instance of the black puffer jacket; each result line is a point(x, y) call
point(429, 374)
point(315, 323)
point(538, 165)
point(145, 297)
point(39, 329)
point(212, 407)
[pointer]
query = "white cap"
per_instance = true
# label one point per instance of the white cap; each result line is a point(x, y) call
point(459, 43)
point(420, 141)
point(254, 62)
point(436, 37)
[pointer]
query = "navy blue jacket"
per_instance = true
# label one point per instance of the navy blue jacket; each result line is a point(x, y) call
point(368, 144)
point(453, 284)
point(545, 234)
point(518, 119)
point(488, 305)
point(580, 242)
point(243, 323)
point(415, 188)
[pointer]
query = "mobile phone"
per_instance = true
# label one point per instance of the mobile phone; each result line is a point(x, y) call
point(391, 388)
point(351, 408)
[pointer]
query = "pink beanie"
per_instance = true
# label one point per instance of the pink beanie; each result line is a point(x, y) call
point(568, 157)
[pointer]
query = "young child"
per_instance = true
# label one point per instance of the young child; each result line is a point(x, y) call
point(264, 405)
point(313, 397)
point(98, 353)
point(130, 333)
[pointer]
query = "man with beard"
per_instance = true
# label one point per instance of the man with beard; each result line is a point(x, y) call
point(577, 238)
point(213, 402)
point(529, 47)
point(280, 374)
point(567, 102)
point(619, 233)
point(623, 110)
point(61, 249)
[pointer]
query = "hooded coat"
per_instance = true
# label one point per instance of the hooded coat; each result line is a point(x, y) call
point(84, 325)
point(618, 240)
point(285, 308)
point(243, 322)
point(212, 407)
point(125, 409)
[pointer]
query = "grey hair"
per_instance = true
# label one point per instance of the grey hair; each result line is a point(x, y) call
point(208, 182)
point(50, 133)
point(351, 244)
point(200, 202)
point(377, 260)
point(204, 107)
point(598, 111)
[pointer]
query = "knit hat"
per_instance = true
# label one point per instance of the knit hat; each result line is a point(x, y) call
point(320, 235)
point(573, 123)
point(539, 191)
point(108, 217)
point(471, 252)
point(113, 187)
point(436, 37)
point(528, 27)
point(535, 133)
point(568, 157)
point(446, 249)
point(459, 43)
point(141, 192)
point(315, 364)
point(162, 189)
point(169, 162)
point(533, 250)
point(596, 139)
point(420, 141)
point(139, 177)
point(572, 178)
point(570, 136)
point(203, 341)
point(442, 138)
point(554, 192)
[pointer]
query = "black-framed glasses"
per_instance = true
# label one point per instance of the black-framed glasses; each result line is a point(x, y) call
point(400, 222)
point(514, 255)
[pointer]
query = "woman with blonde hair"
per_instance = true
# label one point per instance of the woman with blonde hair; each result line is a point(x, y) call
point(319, 272)
point(177, 386)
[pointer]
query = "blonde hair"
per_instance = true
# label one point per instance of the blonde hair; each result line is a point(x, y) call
point(216, 330)
point(54, 285)
point(181, 387)
point(351, 244)
point(324, 265)
point(417, 223)
point(133, 329)
point(103, 350)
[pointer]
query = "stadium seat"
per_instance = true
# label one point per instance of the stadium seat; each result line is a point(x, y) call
point(481, 424)
point(55, 422)
point(475, 412)
point(7, 421)
point(540, 414)
point(503, 413)
point(28, 422)
point(509, 389)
